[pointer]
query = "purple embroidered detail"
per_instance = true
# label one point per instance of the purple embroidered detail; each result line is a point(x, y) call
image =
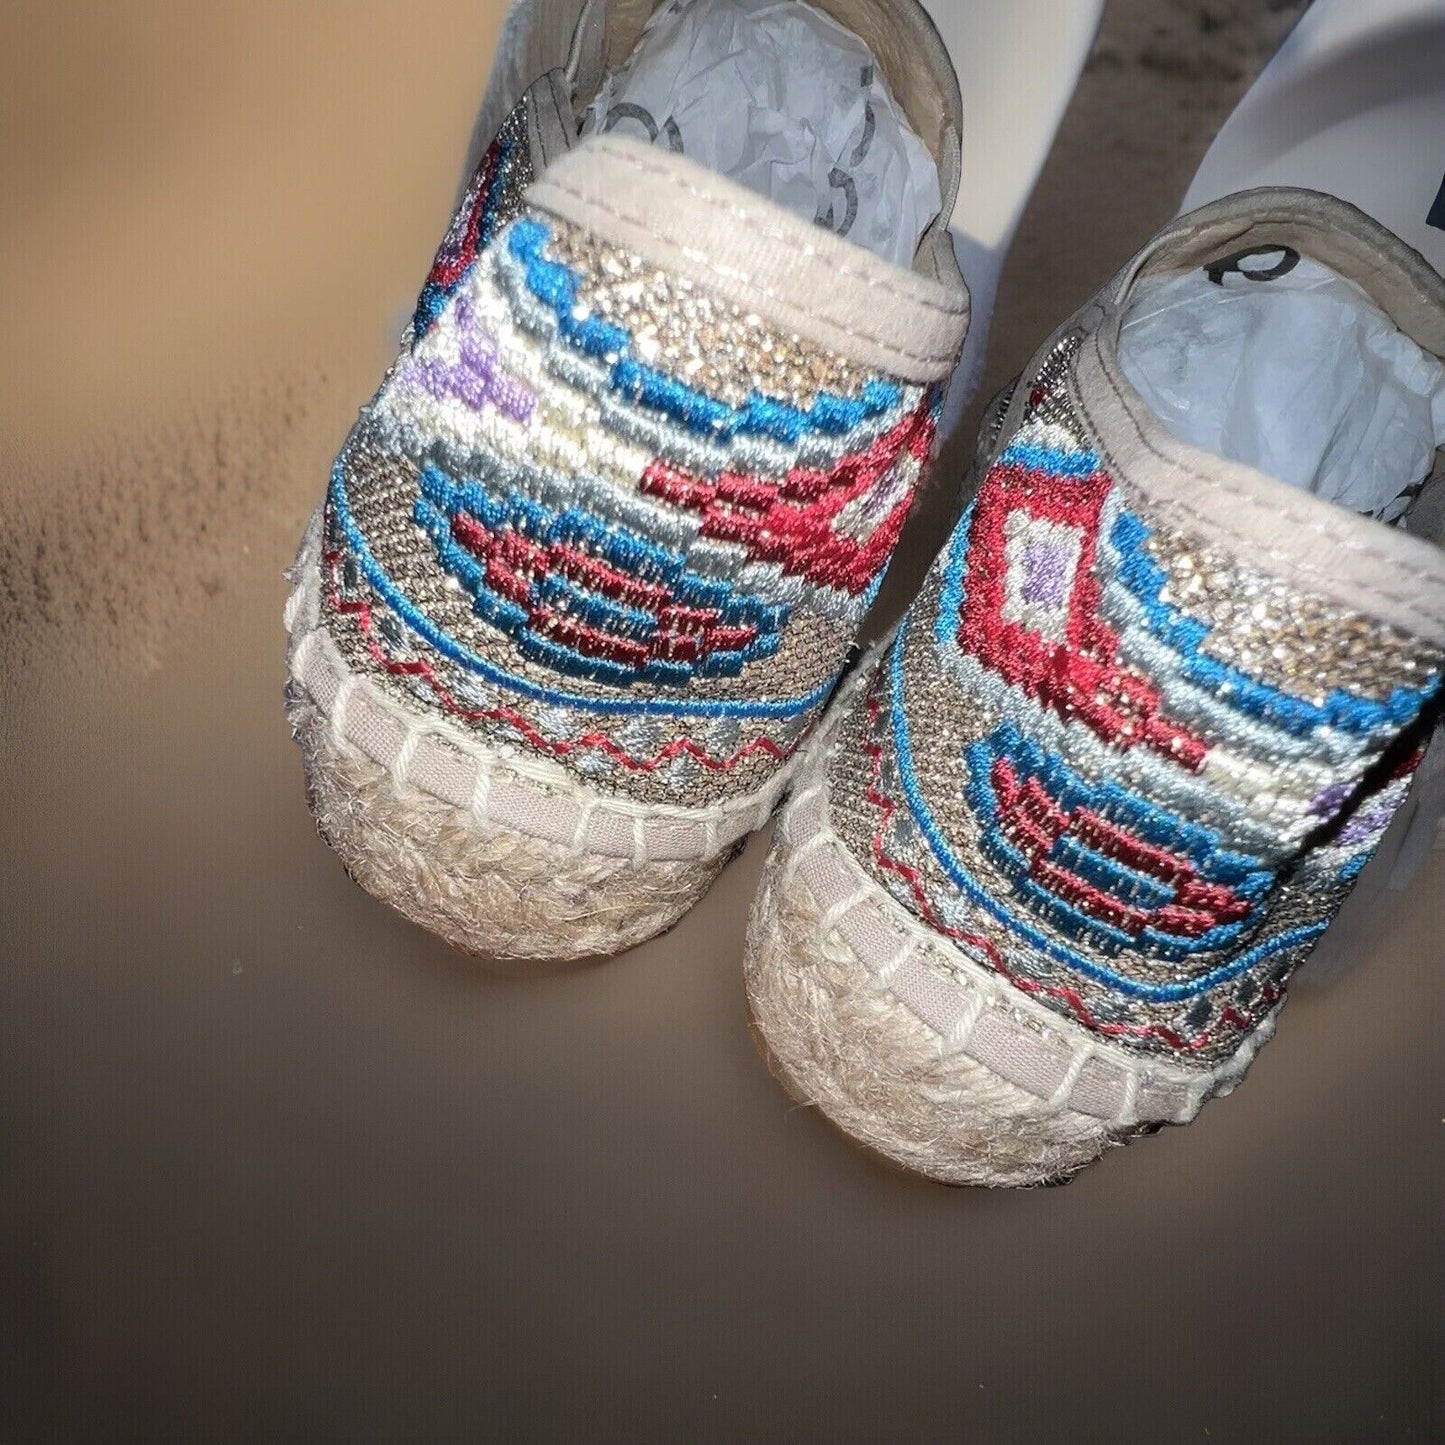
point(476, 378)
point(1330, 800)
point(1047, 568)
point(1370, 821)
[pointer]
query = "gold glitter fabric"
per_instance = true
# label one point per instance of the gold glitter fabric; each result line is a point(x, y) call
point(600, 516)
point(714, 346)
point(1128, 774)
point(1266, 628)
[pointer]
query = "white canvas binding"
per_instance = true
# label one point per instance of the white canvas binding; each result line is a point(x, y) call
point(511, 791)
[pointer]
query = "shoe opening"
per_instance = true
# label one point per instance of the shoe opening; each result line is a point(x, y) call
point(784, 99)
point(1272, 358)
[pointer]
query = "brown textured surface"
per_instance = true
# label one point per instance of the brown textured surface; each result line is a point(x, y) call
point(276, 1165)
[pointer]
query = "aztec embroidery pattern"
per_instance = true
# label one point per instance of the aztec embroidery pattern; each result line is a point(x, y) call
point(1114, 766)
point(595, 514)
point(493, 197)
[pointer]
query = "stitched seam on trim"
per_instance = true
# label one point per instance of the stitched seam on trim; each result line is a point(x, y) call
point(757, 222)
point(998, 993)
point(738, 213)
point(930, 358)
point(1175, 1071)
point(488, 760)
point(1305, 220)
point(557, 108)
point(463, 880)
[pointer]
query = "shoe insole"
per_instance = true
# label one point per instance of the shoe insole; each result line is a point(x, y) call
point(1277, 361)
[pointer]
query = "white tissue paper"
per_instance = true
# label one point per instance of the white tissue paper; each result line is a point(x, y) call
point(1302, 376)
point(782, 99)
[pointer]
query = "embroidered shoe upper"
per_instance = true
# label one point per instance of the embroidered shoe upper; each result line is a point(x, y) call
point(602, 515)
point(1113, 763)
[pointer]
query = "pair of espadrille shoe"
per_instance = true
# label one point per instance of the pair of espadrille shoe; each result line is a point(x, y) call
point(575, 617)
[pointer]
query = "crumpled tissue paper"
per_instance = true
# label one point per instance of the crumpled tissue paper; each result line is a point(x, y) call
point(782, 99)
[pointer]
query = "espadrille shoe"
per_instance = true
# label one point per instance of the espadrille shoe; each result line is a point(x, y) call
point(592, 559)
point(1050, 861)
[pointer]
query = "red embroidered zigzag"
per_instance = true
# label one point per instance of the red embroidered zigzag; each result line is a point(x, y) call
point(1034, 822)
point(362, 613)
point(513, 562)
point(1081, 675)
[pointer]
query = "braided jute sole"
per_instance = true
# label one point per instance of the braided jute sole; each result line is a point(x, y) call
point(916, 1051)
point(501, 855)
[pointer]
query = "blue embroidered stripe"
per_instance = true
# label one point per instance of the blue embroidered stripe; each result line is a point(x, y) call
point(1145, 579)
point(1356, 865)
point(1200, 845)
point(965, 882)
point(501, 612)
point(1120, 882)
point(1137, 890)
point(429, 305)
point(1046, 459)
point(659, 670)
point(463, 657)
point(557, 286)
point(636, 555)
point(950, 604)
point(596, 611)
point(517, 621)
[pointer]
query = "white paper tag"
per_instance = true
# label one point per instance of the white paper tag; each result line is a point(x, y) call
point(782, 99)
